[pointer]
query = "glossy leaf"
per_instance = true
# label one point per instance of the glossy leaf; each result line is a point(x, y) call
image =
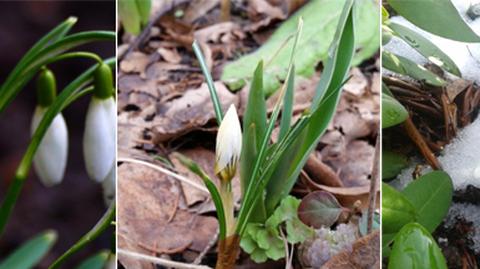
point(431, 195)
point(439, 17)
point(392, 163)
point(96, 261)
point(425, 47)
point(30, 253)
point(393, 112)
point(397, 210)
point(404, 66)
point(319, 209)
point(414, 247)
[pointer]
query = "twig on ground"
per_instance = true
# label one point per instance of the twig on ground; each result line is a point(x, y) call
point(160, 261)
point(167, 172)
point(373, 185)
point(210, 244)
point(418, 139)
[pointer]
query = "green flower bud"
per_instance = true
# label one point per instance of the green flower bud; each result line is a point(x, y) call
point(46, 88)
point(103, 82)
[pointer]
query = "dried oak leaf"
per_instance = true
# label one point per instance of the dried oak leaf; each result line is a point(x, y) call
point(189, 112)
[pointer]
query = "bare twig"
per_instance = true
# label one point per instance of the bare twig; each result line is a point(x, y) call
point(167, 172)
point(210, 244)
point(418, 139)
point(160, 261)
point(373, 185)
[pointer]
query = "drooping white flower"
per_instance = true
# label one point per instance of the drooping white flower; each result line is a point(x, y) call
point(50, 159)
point(108, 186)
point(229, 145)
point(99, 138)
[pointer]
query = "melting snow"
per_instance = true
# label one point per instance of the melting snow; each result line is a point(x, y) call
point(471, 213)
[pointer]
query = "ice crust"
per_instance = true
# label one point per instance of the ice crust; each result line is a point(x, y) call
point(465, 55)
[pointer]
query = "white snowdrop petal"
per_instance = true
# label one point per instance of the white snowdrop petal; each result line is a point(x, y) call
point(99, 138)
point(108, 186)
point(50, 159)
point(229, 140)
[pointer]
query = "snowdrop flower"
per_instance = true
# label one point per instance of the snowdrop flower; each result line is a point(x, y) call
point(229, 145)
point(99, 134)
point(50, 159)
point(108, 186)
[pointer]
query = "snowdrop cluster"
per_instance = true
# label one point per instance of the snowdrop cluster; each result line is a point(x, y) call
point(98, 139)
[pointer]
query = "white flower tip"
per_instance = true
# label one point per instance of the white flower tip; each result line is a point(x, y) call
point(229, 145)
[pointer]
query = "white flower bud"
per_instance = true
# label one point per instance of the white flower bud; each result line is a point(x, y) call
point(99, 138)
point(108, 186)
point(50, 159)
point(229, 145)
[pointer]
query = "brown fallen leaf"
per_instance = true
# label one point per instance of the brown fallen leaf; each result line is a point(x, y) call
point(148, 215)
point(188, 112)
point(365, 254)
point(135, 62)
point(170, 55)
point(197, 9)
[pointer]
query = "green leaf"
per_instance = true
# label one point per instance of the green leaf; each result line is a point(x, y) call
point(439, 17)
point(319, 209)
point(414, 247)
point(321, 18)
point(130, 16)
point(212, 189)
point(425, 47)
point(324, 104)
point(392, 163)
point(96, 261)
point(287, 109)
point(431, 195)
point(397, 210)
point(393, 112)
point(387, 240)
point(30, 253)
point(298, 232)
point(404, 66)
point(144, 7)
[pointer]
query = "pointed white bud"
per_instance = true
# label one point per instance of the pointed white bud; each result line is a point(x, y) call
point(229, 145)
point(108, 186)
point(50, 159)
point(99, 138)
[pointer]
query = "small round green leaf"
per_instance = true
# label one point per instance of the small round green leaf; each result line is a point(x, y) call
point(396, 210)
point(318, 209)
point(393, 112)
point(414, 247)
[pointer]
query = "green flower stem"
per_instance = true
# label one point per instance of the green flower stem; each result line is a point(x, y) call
point(97, 230)
point(28, 67)
point(22, 171)
point(227, 199)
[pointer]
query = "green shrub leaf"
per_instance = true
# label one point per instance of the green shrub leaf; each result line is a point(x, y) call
point(397, 210)
point(431, 195)
point(414, 247)
point(439, 17)
point(392, 163)
point(393, 112)
point(425, 47)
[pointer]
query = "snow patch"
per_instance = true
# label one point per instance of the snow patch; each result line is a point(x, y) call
point(465, 55)
point(470, 213)
point(460, 159)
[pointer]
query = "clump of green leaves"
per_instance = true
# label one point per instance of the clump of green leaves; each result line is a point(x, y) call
point(134, 14)
point(265, 241)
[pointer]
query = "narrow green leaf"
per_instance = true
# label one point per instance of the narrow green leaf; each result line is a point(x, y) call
point(393, 112)
point(144, 7)
point(30, 253)
point(414, 247)
point(397, 210)
point(287, 110)
point(91, 235)
point(404, 66)
point(431, 195)
point(96, 261)
point(439, 17)
point(217, 199)
point(323, 107)
point(425, 47)
point(130, 16)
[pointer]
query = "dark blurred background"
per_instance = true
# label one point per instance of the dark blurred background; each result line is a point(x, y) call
point(74, 206)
